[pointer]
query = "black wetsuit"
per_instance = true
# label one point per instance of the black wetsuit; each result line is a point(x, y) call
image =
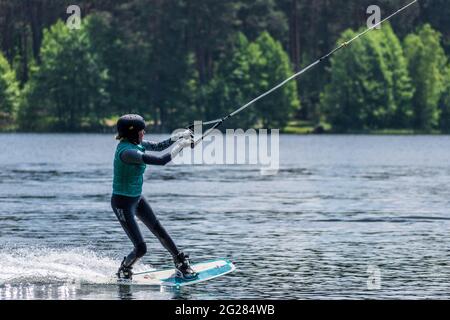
point(128, 208)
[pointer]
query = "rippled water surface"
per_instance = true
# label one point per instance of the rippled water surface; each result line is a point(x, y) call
point(346, 217)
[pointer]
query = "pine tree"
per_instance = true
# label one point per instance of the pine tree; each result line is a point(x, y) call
point(254, 68)
point(444, 121)
point(427, 62)
point(67, 91)
point(370, 87)
point(235, 83)
point(9, 94)
point(275, 110)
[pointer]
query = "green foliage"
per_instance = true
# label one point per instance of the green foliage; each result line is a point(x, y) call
point(370, 87)
point(444, 105)
point(208, 27)
point(402, 88)
point(252, 69)
point(126, 57)
point(276, 109)
point(68, 88)
point(437, 13)
point(175, 61)
point(344, 98)
point(260, 16)
point(9, 94)
point(174, 80)
point(427, 62)
point(234, 83)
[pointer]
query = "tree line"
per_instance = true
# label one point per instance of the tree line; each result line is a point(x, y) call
point(176, 61)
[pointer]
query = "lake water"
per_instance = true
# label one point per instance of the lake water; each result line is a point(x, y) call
point(346, 217)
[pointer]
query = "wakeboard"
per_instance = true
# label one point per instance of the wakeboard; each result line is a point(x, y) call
point(206, 271)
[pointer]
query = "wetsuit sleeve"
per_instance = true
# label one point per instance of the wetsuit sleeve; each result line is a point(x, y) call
point(138, 157)
point(157, 146)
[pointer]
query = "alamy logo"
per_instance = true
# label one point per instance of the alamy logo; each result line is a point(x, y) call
point(120, 215)
point(374, 278)
point(375, 17)
point(235, 147)
point(74, 20)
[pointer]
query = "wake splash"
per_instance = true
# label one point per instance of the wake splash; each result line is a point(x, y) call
point(28, 266)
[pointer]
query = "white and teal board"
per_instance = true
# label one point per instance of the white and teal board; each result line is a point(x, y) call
point(206, 271)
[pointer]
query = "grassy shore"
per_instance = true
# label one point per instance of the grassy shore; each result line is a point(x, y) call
point(298, 127)
point(305, 127)
point(302, 127)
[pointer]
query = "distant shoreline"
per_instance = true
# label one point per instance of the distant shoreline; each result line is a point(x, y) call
point(300, 127)
point(283, 132)
point(326, 129)
point(370, 133)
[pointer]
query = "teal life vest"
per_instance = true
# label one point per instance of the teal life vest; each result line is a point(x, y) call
point(128, 178)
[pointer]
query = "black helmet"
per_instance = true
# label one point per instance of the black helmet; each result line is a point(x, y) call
point(129, 125)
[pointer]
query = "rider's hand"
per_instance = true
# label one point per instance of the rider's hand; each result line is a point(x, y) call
point(180, 145)
point(187, 134)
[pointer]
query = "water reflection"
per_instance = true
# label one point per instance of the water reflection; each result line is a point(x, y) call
point(125, 292)
point(38, 292)
point(130, 292)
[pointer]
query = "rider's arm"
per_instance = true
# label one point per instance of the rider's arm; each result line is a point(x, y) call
point(133, 156)
point(138, 157)
point(163, 145)
point(157, 146)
